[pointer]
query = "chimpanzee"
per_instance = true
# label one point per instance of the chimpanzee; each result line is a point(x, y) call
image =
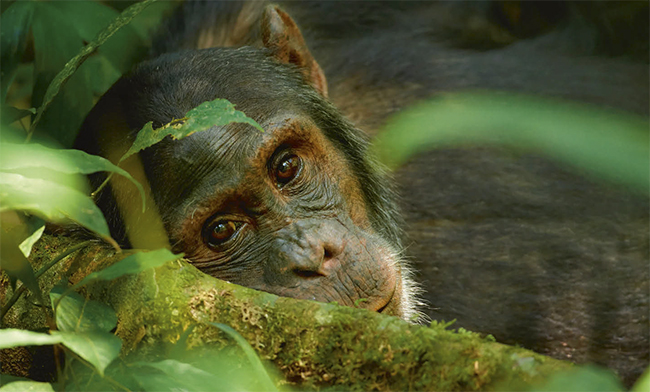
point(506, 243)
point(298, 210)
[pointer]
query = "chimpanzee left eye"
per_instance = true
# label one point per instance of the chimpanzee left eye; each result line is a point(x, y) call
point(287, 169)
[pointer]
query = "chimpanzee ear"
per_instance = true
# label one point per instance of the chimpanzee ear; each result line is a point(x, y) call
point(281, 35)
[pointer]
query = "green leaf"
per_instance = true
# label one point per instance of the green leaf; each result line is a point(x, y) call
point(37, 228)
point(11, 337)
point(122, 50)
point(50, 201)
point(79, 314)
point(178, 374)
point(205, 116)
point(643, 383)
point(27, 386)
point(609, 144)
point(55, 42)
point(582, 379)
point(13, 261)
point(254, 360)
point(71, 66)
point(29, 156)
point(14, 30)
point(132, 264)
point(11, 114)
point(98, 348)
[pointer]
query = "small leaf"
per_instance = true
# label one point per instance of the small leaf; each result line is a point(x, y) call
point(11, 337)
point(15, 23)
point(133, 264)
point(27, 386)
point(205, 116)
point(98, 348)
point(26, 246)
point(79, 314)
point(33, 156)
point(11, 114)
point(50, 201)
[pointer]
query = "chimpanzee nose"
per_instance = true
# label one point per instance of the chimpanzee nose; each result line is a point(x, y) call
point(309, 248)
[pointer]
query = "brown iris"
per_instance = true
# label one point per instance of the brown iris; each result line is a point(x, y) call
point(220, 232)
point(288, 169)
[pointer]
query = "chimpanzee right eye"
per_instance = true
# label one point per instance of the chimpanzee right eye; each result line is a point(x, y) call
point(220, 232)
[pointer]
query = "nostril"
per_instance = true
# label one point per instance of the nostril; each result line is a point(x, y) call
point(327, 253)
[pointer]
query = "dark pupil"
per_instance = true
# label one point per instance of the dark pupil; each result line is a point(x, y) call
point(288, 169)
point(222, 231)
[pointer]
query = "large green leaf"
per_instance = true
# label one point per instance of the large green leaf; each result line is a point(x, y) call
point(11, 337)
point(14, 30)
point(609, 144)
point(50, 201)
point(203, 117)
point(56, 41)
point(132, 264)
point(15, 157)
point(79, 314)
point(98, 348)
point(79, 99)
point(27, 386)
point(122, 50)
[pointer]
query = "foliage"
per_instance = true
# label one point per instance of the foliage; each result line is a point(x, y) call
point(201, 118)
point(45, 184)
point(80, 49)
point(608, 144)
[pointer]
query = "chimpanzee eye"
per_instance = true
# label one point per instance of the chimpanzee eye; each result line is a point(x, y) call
point(220, 232)
point(287, 169)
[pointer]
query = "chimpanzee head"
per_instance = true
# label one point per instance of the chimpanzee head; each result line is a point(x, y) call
point(298, 210)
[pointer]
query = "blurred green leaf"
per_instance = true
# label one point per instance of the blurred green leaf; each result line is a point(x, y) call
point(12, 260)
point(643, 383)
point(11, 337)
point(254, 360)
point(22, 156)
point(14, 30)
point(132, 264)
point(582, 379)
point(608, 144)
point(98, 348)
point(79, 314)
point(122, 50)
point(176, 375)
point(81, 98)
point(148, 21)
point(50, 201)
point(203, 117)
point(56, 41)
point(27, 386)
